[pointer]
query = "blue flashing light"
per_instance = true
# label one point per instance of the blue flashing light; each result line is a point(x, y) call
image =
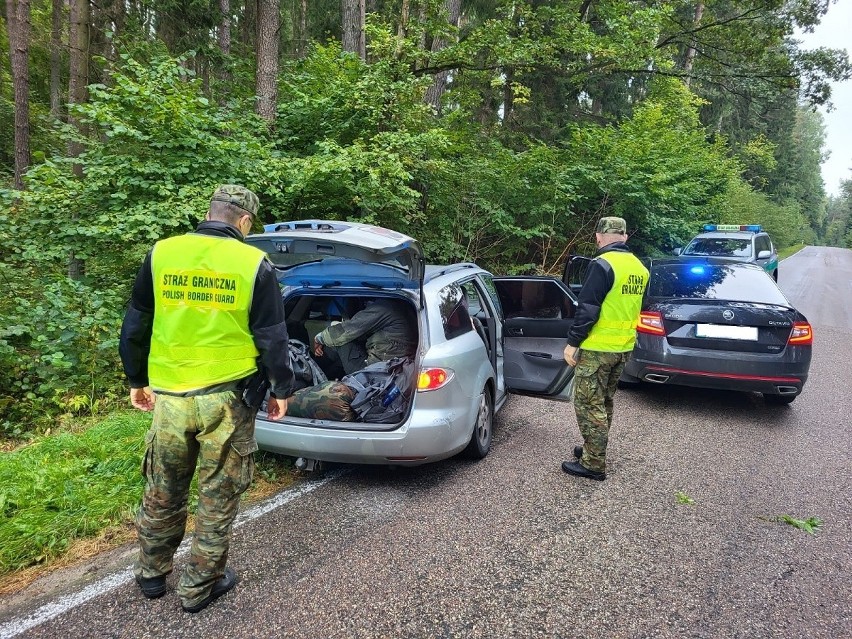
point(751, 228)
point(697, 270)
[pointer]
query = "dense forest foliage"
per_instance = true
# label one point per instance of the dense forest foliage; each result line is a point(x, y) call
point(495, 132)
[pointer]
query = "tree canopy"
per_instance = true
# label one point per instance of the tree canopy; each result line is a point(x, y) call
point(495, 132)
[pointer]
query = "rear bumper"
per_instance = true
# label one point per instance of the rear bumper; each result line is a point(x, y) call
point(782, 374)
point(431, 433)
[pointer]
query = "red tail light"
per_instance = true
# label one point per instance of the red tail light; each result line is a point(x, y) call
point(651, 322)
point(433, 378)
point(801, 335)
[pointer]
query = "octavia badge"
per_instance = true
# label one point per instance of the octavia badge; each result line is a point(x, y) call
point(728, 315)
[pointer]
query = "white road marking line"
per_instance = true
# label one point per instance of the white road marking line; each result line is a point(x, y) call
point(55, 608)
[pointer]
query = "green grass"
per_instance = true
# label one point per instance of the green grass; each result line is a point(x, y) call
point(683, 498)
point(787, 252)
point(70, 486)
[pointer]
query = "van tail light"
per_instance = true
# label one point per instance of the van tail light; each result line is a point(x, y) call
point(651, 322)
point(433, 378)
point(801, 335)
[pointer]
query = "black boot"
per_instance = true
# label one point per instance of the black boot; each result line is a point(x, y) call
point(225, 583)
point(576, 468)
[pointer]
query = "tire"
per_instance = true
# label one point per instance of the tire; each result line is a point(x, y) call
point(779, 400)
point(775, 277)
point(483, 427)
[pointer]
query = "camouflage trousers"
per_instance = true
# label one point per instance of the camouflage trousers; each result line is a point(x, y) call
point(597, 376)
point(216, 433)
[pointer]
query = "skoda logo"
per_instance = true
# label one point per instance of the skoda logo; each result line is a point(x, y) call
point(728, 315)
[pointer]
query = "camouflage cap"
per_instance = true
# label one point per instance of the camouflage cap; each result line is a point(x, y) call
point(238, 196)
point(612, 225)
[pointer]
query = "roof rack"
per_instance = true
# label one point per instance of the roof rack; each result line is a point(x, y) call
point(753, 228)
point(450, 268)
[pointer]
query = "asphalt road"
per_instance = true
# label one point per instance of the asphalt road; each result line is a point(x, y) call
point(512, 547)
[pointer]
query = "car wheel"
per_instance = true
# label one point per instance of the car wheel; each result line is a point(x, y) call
point(775, 275)
point(779, 400)
point(480, 439)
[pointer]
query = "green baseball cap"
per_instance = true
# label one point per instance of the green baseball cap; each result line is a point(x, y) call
point(612, 225)
point(238, 196)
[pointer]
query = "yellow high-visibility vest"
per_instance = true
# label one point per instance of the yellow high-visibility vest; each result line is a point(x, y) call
point(203, 287)
point(615, 330)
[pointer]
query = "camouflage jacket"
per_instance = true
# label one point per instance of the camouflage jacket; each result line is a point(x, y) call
point(386, 327)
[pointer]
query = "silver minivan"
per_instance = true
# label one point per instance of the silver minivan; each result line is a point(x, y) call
point(480, 338)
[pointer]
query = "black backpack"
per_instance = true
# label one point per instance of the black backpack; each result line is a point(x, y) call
point(383, 390)
point(305, 370)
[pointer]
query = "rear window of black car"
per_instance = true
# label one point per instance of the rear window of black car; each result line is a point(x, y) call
point(733, 282)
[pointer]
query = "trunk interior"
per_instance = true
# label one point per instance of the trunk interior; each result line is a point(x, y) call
point(333, 394)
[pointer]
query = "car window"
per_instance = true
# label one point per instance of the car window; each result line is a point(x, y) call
point(534, 299)
point(488, 281)
point(762, 243)
point(453, 305)
point(719, 246)
point(733, 282)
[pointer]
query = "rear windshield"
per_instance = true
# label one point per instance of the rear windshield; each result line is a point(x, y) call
point(735, 282)
point(719, 247)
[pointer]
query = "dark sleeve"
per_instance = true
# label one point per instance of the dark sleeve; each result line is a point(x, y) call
point(135, 342)
point(599, 280)
point(269, 330)
point(364, 322)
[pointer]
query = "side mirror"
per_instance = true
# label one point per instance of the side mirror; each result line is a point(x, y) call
point(677, 251)
point(763, 255)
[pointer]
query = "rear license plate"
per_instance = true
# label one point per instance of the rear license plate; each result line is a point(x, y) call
point(720, 331)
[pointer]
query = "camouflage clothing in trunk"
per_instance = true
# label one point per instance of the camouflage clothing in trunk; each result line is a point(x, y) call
point(329, 400)
point(383, 330)
point(216, 433)
point(596, 376)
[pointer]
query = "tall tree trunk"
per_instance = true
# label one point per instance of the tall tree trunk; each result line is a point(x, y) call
point(78, 80)
point(436, 91)
point(353, 14)
point(302, 42)
point(225, 27)
point(224, 37)
point(402, 27)
point(266, 81)
point(115, 13)
point(248, 24)
point(56, 59)
point(689, 59)
point(18, 25)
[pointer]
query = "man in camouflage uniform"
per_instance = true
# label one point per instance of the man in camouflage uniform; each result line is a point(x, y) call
point(205, 318)
point(384, 329)
point(600, 341)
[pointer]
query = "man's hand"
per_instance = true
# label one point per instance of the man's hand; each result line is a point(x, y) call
point(317, 347)
point(276, 408)
point(570, 355)
point(143, 398)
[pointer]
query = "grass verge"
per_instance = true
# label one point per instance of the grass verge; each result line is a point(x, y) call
point(787, 252)
point(70, 495)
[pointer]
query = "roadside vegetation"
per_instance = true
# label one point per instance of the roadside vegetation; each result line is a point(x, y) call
point(492, 132)
point(85, 482)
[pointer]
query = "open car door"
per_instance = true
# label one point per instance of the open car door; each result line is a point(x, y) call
point(575, 272)
point(537, 315)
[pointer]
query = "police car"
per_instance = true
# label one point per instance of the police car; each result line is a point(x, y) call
point(740, 242)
